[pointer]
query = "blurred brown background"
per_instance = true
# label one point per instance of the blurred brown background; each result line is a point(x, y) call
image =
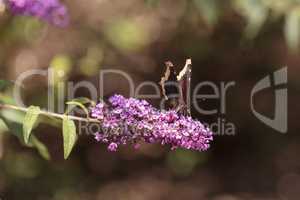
point(241, 41)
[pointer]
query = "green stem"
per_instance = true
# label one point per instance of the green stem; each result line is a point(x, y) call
point(51, 114)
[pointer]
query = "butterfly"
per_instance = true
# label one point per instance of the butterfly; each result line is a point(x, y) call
point(176, 88)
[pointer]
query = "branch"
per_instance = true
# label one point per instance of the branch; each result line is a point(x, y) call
point(51, 114)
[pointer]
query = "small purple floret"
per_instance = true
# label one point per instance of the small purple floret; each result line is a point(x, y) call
point(130, 121)
point(112, 146)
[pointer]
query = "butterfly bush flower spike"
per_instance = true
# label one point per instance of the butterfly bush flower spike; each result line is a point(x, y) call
point(52, 11)
point(131, 121)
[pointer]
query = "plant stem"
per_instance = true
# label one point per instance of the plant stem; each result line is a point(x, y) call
point(51, 114)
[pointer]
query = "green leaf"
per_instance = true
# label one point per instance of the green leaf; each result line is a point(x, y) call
point(41, 148)
point(78, 102)
point(29, 121)
point(16, 129)
point(82, 100)
point(292, 29)
point(14, 126)
point(73, 104)
point(69, 136)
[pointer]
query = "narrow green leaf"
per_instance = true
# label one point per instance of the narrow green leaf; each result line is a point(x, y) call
point(80, 102)
point(73, 104)
point(41, 148)
point(29, 121)
point(12, 121)
point(16, 129)
point(69, 136)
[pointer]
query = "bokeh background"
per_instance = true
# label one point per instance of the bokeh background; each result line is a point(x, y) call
point(230, 40)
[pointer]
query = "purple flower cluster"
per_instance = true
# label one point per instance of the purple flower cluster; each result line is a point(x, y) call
point(129, 121)
point(51, 11)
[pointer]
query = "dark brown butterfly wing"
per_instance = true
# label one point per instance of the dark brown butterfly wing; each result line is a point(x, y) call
point(176, 89)
point(184, 79)
point(170, 87)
